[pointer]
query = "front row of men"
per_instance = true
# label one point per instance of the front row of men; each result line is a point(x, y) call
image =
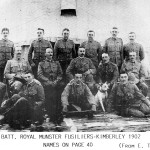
point(28, 97)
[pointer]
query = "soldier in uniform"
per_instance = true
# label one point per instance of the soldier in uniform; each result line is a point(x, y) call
point(50, 75)
point(82, 64)
point(133, 46)
point(38, 47)
point(126, 99)
point(107, 71)
point(6, 51)
point(136, 71)
point(25, 106)
point(77, 96)
point(114, 47)
point(64, 51)
point(93, 48)
point(16, 68)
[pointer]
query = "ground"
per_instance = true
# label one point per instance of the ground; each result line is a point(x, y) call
point(100, 123)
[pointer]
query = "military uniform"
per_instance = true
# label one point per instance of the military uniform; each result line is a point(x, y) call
point(14, 67)
point(137, 69)
point(133, 47)
point(127, 100)
point(114, 48)
point(35, 95)
point(93, 51)
point(77, 95)
point(6, 53)
point(107, 72)
point(50, 71)
point(39, 47)
point(80, 64)
point(64, 51)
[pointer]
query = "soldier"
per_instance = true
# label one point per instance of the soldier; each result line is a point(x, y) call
point(38, 47)
point(6, 51)
point(127, 100)
point(133, 46)
point(77, 96)
point(107, 71)
point(50, 75)
point(25, 105)
point(114, 47)
point(16, 68)
point(64, 51)
point(136, 71)
point(82, 64)
point(93, 48)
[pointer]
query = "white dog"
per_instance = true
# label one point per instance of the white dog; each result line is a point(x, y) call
point(101, 95)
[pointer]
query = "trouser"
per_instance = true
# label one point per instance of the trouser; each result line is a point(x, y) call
point(19, 113)
point(53, 103)
point(143, 87)
point(2, 92)
point(34, 70)
point(140, 111)
point(2, 74)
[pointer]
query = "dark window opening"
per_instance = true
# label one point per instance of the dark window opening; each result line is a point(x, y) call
point(68, 12)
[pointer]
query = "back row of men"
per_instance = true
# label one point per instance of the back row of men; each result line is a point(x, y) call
point(55, 68)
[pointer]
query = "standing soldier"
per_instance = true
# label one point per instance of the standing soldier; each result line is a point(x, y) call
point(93, 48)
point(114, 47)
point(50, 75)
point(64, 51)
point(136, 72)
point(6, 51)
point(38, 47)
point(133, 46)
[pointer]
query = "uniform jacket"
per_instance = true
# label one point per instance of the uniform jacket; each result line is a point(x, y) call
point(128, 94)
point(136, 68)
point(74, 94)
point(49, 71)
point(93, 51)
point(114, 47)
point(17, 68)
point(6, 51)
point(34, 92)
point(80, 65)
point(64, 50)
point(38, 47)
point(133, 47)
point(107, 72)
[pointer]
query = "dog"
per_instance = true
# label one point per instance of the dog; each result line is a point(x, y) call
point(102, 95)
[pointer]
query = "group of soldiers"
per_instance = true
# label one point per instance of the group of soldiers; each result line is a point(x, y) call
point(60, 79)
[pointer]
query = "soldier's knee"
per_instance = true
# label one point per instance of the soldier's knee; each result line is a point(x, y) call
point(144, 108)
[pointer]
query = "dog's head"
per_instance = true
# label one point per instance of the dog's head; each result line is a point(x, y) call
point(104, 87)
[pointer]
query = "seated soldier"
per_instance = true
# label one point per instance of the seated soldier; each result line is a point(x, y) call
point(126, 99)
point(15, 68)
point(81, 64)
point(134, 67)
point(50, 75)
point(107, 72)
point(77, 96)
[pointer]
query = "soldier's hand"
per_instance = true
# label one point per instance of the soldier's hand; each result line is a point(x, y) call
point(33, 64)
point(65, 108)
point(93, 108)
